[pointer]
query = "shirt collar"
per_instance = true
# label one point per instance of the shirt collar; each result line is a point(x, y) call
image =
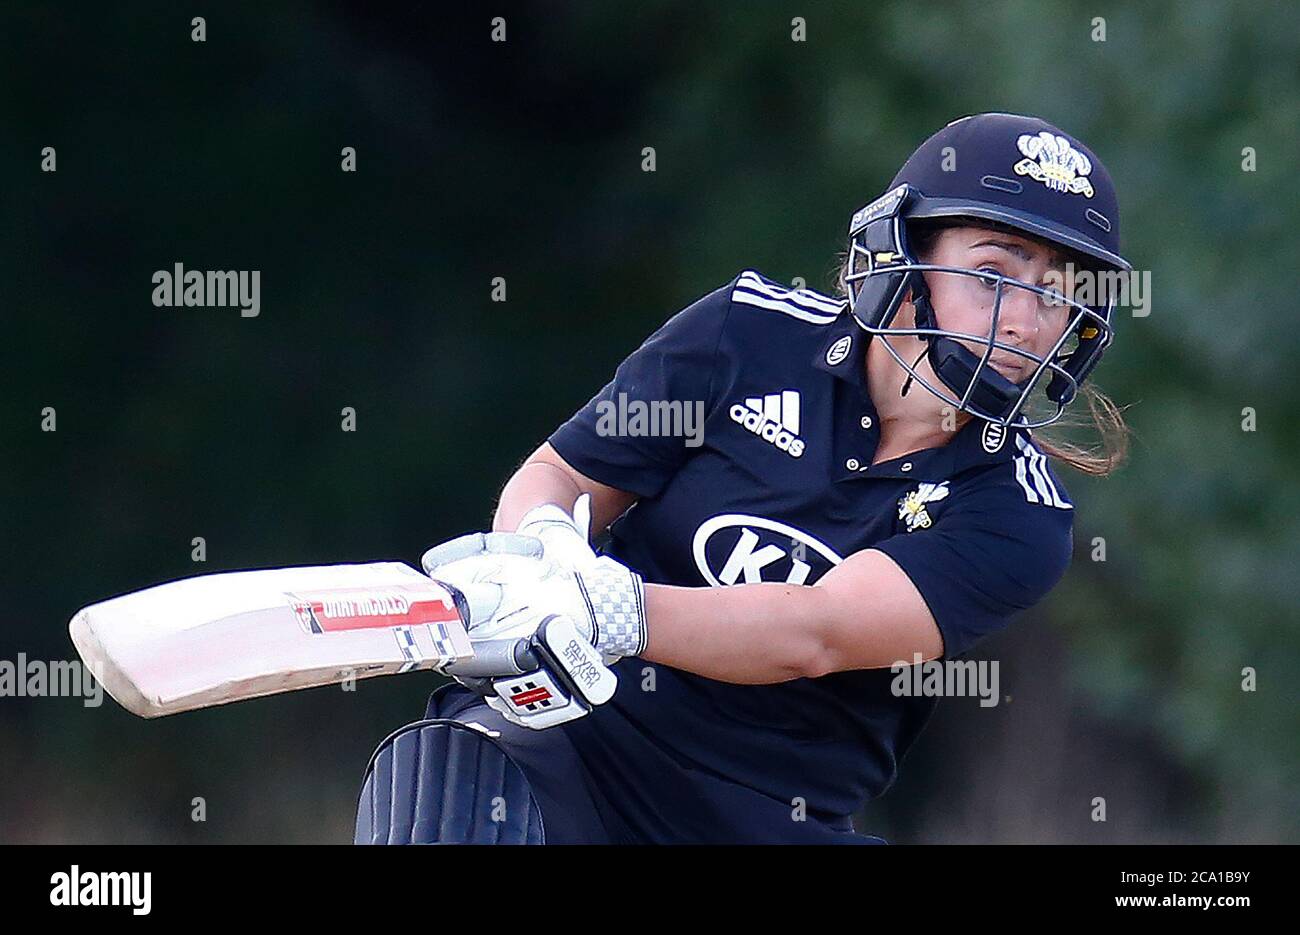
point(976, 443)
point(843, 352)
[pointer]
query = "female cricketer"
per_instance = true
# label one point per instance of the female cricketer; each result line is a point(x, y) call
point(865, 496)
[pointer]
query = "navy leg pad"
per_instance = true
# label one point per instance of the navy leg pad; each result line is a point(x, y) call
point(439, 782)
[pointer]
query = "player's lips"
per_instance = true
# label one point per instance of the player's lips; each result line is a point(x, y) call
point(1017, 365)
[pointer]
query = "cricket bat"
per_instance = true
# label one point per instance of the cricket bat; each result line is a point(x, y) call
point(225, 637)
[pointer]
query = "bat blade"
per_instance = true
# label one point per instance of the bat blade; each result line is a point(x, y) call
point(224, 637)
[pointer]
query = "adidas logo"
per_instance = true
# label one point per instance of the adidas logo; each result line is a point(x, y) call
point(773, 418)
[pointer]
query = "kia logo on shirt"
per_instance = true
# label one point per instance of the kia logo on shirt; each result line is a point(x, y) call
point(735, 548)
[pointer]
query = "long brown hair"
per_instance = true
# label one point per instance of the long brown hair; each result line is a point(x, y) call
point(1104, 421)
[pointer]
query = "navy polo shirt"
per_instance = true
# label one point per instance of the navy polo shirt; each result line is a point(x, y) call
point(782, 488)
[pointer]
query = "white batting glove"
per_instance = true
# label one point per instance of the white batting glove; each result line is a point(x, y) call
point(481, 565)
point(565, 538)
point(537, 669)
point(562, 679)
point(598, 592)
point(603, 599)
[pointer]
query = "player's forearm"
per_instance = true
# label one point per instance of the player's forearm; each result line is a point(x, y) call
point(865, 613)
point(751, 634)
point(532, 485)
point(548, 478)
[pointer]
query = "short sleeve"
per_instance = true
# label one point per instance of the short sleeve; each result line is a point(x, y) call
point(988, 556)
point(667, 381)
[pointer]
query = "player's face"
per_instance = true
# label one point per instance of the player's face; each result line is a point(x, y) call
point(1026, 320)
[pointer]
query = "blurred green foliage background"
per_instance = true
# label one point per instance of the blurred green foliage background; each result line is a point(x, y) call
point(523, 160)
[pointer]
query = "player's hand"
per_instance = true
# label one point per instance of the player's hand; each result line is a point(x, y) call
point(481, 565)
point(537, 669)
point(603, 598)
point(565, 537)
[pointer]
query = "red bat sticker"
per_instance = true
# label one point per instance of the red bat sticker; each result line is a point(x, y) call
point(332, 610)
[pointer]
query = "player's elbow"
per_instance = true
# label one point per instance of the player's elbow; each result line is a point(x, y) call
point(820, 649)
point(821, 662)
point(840, 642)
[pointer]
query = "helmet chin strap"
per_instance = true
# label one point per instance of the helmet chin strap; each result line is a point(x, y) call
point(921, 294)
point(907, 384)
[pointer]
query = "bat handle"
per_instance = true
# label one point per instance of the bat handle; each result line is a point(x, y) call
point(496, 658)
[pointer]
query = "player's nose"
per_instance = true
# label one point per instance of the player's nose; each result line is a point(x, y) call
point(1018, 317)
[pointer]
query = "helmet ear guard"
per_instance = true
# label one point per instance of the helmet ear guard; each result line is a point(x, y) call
point(878, 241)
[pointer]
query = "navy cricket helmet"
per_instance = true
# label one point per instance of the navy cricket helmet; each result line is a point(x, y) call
point(1003, 171)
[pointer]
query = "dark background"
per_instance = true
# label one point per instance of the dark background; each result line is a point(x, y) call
point(523, 160)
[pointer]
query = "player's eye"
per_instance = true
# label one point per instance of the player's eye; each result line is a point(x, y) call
point(1053, 296)
point(988, 276)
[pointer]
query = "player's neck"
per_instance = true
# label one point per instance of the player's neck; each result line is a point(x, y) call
point(903, 435)
point(911, 421)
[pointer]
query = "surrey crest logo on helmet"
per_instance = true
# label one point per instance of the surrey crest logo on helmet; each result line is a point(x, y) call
point(1050, 159)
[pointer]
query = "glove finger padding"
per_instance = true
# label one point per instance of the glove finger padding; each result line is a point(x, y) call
point(479, 543)
point(508, 594)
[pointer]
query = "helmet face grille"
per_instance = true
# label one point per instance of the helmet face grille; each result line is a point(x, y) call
point(975, 373)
